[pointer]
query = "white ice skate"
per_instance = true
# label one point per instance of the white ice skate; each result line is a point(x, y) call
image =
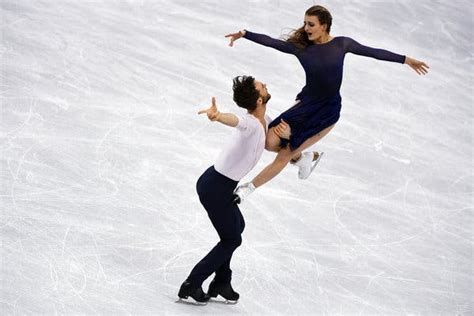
point(307, 162)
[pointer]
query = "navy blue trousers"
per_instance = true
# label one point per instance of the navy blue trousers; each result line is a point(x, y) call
point(216, 195)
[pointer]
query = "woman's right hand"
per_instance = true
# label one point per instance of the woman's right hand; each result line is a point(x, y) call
point(235, 36)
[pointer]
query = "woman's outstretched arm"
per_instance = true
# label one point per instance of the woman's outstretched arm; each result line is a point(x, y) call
point(263, 39)
point(351, 46)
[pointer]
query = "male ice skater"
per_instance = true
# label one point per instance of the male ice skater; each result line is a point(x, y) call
point(216, 185)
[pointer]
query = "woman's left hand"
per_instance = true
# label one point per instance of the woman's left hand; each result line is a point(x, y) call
point(283, 130)
point(420, 67)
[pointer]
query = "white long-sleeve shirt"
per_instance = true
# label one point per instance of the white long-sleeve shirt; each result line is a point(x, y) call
point(245, 149)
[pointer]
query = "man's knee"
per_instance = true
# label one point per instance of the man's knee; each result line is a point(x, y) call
point(242, 227)
point(232, 243)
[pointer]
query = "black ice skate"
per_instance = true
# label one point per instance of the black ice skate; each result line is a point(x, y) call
point(197, 294)
point(223, 289)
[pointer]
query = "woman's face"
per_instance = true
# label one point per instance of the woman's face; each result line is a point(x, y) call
point(313, 29)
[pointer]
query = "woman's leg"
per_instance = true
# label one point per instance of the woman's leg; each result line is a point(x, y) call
point(272, 141)
point(284, 156)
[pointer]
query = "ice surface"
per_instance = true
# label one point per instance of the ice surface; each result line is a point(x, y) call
point(101, 146)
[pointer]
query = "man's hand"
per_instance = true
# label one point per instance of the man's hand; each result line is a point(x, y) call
point(242, 191)
point(212, 113)
point(283, 130)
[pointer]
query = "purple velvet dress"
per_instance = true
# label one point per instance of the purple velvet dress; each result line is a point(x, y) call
point(320, 100)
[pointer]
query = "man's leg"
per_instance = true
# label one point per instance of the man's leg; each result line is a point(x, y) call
point(224, 273)
point(220, 254)
point(228, 225)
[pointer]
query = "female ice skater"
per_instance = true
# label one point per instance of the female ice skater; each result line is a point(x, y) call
point(319, 102)
point(216, 185)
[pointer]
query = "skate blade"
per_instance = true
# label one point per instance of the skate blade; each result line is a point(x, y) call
point(225, 301)
point(218, 300)
point(315, 163)
point(190, 301)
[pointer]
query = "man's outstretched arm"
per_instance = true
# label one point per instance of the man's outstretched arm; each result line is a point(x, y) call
point(213, 114)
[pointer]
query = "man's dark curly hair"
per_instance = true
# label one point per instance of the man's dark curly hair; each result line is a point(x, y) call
point(245, 93)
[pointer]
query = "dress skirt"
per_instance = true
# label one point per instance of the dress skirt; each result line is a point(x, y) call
point(307, 118)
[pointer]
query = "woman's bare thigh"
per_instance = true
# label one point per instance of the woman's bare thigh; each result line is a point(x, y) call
point(314, 139)
point(272, 141)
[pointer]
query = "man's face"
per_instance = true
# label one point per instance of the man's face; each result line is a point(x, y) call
point(262, 89)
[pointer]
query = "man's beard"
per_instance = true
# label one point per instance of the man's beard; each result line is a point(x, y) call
point(266, 98)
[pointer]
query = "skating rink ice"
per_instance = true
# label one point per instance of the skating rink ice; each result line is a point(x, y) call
point(101, 147)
